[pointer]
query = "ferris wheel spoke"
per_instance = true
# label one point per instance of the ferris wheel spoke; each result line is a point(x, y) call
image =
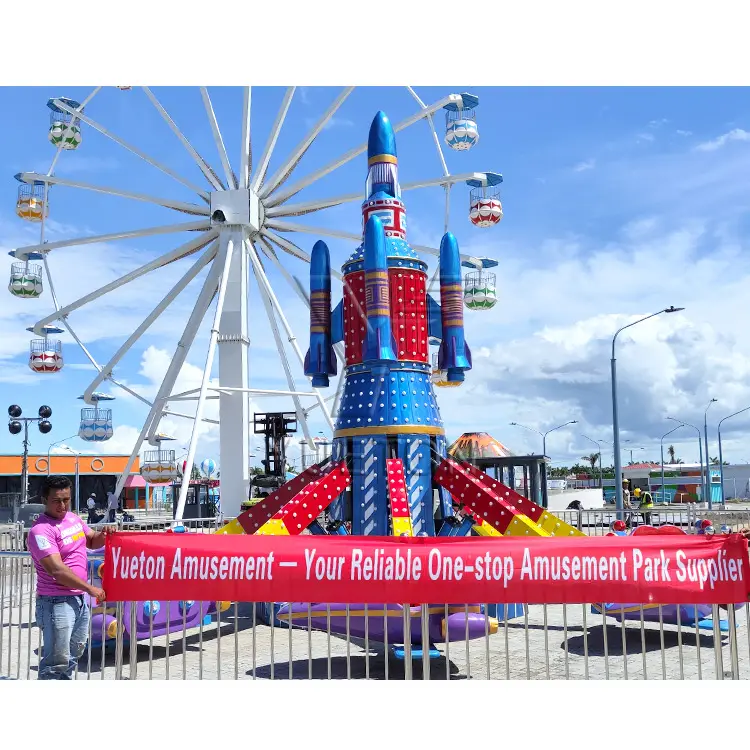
point(192, 272)
point(188, 248)
point(224, 261)
point(229, 174)
point(272, 138)
point(204, 167)
point(431, 123)
point(133, 149)
point(300, 209)
point(188, 208)
point(192, 226)
point(349, 155)
point(263, 281)
point(286, 245)
point(72, 123)
point(268, 305)
point(288, 226)
point(283, 172)
point(246, 153)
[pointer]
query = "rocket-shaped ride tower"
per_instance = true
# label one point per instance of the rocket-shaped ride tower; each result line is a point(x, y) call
point(388, 406)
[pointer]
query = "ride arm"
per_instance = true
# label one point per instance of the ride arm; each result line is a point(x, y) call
point(434, 319)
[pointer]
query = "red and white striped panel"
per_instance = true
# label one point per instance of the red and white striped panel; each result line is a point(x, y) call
point(49, 361)
point(253, 518)
point(308, 504)
point(400, 513)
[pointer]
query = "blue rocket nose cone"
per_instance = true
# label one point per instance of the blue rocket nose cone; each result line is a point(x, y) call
point(382, 140)
point(320, 260)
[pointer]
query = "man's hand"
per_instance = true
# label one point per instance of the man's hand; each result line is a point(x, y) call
point(97, 593)
point(746, 534)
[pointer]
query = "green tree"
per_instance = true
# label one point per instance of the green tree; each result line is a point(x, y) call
point(592, 458)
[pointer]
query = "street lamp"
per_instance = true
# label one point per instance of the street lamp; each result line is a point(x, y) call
point(631, 452)
point(700, 442)
point(543, 434)
point(706, 482)
point(721, 455)
point(674, 429)
point(599, 446)
point(615, 421)
point(16, 423)
point(77, 454)
point(51, 446)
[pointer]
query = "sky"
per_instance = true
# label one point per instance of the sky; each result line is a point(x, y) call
point(618, 202)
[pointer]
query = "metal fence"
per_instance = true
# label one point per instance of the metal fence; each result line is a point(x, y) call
point(536, 642)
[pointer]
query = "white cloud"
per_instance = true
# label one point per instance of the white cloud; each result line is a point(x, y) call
point(584, 165)
point(334, 122)
point(658, 123)
point(737, 134)
point(684, 133)
point(648, 137)
point(541, 356)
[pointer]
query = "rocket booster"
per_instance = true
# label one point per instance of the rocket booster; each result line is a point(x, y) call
point(320, 361)
point(454, 355)
point(378, 339)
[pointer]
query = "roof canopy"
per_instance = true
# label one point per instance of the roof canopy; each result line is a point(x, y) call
point(478, 445)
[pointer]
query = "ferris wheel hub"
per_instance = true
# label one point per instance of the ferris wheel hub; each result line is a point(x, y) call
point(237, 208)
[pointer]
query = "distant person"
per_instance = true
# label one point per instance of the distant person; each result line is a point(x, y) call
point(626, 502)
point(57, 541)
point(111, 507)
point(646, 506)
point(91, 505)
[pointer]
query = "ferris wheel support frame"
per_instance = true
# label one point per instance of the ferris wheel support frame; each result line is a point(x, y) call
point(230, 251)
point(263, 280)
point(268, 306)
point(273, 136)
point(151, 423)
point(220, 147)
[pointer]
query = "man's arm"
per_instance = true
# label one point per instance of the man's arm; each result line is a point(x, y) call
point(96, 539)
point(63, 575)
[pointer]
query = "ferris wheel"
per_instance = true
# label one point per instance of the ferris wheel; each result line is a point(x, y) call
point(238, 221)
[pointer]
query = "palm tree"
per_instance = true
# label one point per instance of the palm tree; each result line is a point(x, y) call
point(592, 459)
point(671, 454)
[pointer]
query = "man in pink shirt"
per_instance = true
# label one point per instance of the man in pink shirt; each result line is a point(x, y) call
point(57, 541)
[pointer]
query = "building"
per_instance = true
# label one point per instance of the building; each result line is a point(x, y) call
point(97, 474)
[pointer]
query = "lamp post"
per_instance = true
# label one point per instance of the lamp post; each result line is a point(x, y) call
point(674, 429)
point(599, 446)
point(706, 481)
point(16, 423)
point(615, 420)
point(77, 477)
point(700, 442)
point(544, 434)
point(51, 446)
point(721, 455)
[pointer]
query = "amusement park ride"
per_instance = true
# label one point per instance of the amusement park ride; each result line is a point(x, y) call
point(388, 473)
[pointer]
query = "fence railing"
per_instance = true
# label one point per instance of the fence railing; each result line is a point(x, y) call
point(510, 642)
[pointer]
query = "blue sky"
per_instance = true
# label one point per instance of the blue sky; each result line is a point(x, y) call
point(618, 201)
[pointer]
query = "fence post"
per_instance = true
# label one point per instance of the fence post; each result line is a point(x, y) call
point(118, 640)
point(718, 656)
point(407, 642)
point(425, 641)
point(734, 656)
point(133, 646)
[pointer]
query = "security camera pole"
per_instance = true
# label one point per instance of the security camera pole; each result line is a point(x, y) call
point(14, 427)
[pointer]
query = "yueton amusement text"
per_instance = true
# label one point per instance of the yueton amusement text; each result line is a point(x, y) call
point(395, 565)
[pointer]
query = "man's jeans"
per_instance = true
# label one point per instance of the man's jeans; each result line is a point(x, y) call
point(64, 621)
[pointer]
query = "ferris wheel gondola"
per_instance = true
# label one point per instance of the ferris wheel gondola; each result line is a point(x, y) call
point(45, 354)
point(64, 131)
point(159, 466)
point(239, 221)
point(96, 423)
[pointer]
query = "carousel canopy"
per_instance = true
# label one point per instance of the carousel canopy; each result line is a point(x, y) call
point(477, 445)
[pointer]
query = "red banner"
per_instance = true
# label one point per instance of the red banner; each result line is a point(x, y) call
point(650, 569)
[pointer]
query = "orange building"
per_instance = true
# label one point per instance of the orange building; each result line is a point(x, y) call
point(97, 474)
